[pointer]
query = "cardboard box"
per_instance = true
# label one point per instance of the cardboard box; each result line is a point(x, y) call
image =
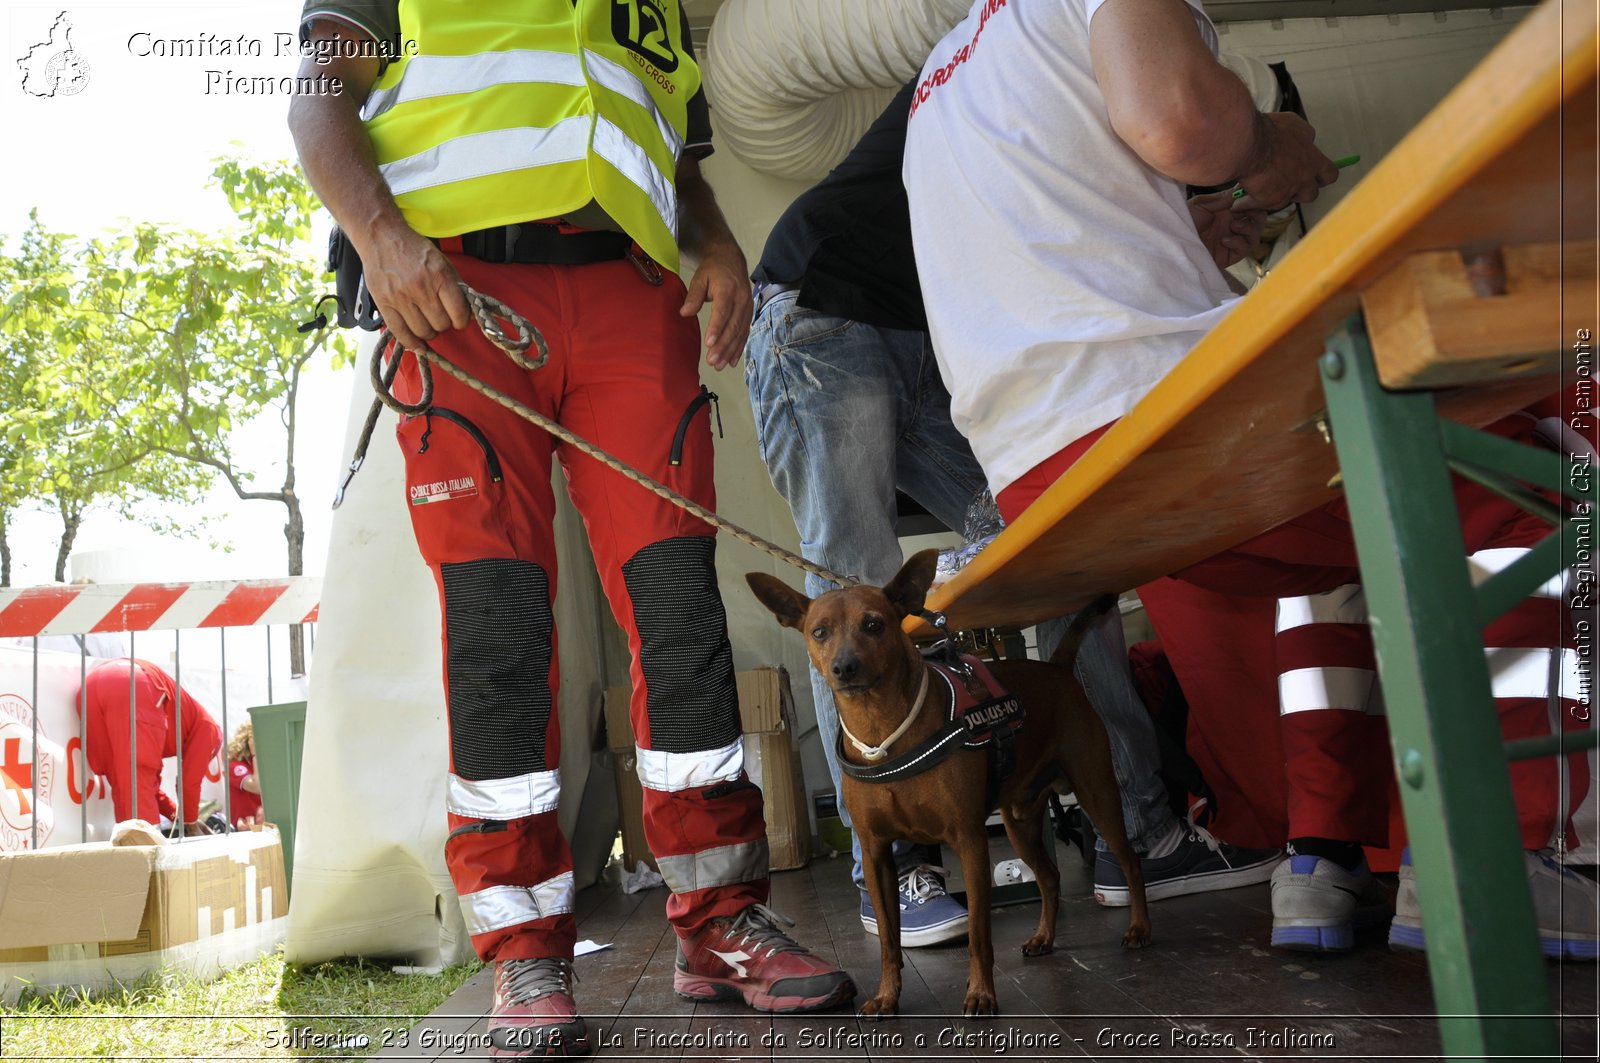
point(92, 915)
point(766, 711)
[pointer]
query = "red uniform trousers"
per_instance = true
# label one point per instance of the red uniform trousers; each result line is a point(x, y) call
point(1334, 737)
point(135, 774)
point(622, 374)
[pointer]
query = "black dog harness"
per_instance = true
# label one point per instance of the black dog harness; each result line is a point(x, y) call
point(970, 723)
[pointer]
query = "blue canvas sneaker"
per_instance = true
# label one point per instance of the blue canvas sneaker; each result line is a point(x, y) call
point(1199, 864)
point(928, 915)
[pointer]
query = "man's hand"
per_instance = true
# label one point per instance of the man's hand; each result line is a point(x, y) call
point(1228, 233)
point(415, 287)
point(195, 829)
point(1284, 165)
point(413, 284)
point(720, 278)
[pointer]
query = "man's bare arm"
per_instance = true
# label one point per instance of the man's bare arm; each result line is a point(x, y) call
point(411, 281)
point(1189, 117)
point(721, 275)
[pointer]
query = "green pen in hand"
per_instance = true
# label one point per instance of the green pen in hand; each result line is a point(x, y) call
point(1348, 160)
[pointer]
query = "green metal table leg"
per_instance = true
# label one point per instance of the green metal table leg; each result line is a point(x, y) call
point(1483, 953)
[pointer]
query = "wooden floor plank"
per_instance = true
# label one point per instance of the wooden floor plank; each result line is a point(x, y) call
point(1210, 974)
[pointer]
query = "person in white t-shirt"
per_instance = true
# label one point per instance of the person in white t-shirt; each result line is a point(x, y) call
point(1065, 273)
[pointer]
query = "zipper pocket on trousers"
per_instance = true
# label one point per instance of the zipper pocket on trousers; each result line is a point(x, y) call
point(489, 456)
point(485, 826)
point(706, 395)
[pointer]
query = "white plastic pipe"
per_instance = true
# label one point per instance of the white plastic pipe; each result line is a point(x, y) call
point(796, 82)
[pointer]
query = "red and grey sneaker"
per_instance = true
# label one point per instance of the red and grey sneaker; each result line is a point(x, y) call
point(749, 958)
point(533, 1015)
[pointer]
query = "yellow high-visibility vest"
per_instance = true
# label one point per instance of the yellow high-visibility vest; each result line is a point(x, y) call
point(506, 111)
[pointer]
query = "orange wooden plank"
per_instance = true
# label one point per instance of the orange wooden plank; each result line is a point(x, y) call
point(1226, 446)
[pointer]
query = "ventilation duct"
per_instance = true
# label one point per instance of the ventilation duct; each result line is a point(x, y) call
point(796, 82)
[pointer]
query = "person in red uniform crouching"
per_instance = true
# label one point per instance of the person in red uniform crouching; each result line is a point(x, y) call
point(167, 722)
point(547, 154)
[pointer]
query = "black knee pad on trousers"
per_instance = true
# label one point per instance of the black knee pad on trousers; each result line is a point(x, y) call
point(498, 629)
point(683, 645)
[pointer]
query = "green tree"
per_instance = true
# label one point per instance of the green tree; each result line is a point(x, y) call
point(201, 334)
point(62, 447)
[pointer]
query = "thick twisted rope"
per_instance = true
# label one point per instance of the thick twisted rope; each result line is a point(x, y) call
point(489, 313)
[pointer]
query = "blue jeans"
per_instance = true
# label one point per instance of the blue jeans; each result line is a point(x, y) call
point(845, 413)
point(1102, 668)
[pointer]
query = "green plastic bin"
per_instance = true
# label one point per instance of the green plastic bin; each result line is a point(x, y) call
point(280, 732)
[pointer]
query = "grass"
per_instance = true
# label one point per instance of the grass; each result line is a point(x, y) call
point(260, 1010)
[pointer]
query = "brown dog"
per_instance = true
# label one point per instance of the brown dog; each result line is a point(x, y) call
point(855, 639)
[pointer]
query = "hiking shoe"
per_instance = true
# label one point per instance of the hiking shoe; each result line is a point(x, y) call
point(928, 915)
point(1566, 909)
point(749, 958)
point(1199, 864)
point(1317, 906)
point(533, 1015)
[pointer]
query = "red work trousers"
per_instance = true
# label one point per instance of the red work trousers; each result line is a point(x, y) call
point(623, 375)
point(1334, 736)
point(134, 774)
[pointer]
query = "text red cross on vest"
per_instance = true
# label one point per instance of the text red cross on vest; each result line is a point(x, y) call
point(17, 774)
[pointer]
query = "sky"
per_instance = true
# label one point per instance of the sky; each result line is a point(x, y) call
point(156, 102)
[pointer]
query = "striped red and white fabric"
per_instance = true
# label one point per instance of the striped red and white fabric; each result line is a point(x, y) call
point(89, 608)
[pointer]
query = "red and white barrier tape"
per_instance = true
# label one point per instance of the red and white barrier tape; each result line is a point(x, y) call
point(89, 608)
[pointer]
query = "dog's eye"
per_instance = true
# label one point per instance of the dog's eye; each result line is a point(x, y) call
point(872, 625)
point(820, 634)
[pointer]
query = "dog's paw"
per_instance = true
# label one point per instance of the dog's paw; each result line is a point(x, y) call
point(1137, 937)
point(980, 1004)
point(878, 1008)
point(1038, 945)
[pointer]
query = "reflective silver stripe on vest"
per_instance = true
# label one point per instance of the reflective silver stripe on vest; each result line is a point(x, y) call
point(672, 772)
point(513, 798)
point(613, 145)
point(727, 865)
point(616, 77)
point(482, 154)
point(427, 76)
point(501, 906)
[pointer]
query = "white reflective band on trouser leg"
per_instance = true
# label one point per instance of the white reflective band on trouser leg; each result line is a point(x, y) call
point(501, 906)
point(1346, 689)
point(613, 145)
point(1342, 605)
point(496, 151)
point(513, 798)
point(725, 866)
point(1525, 673)
point(1486, 563)
point(427, 76)
point(671, 772)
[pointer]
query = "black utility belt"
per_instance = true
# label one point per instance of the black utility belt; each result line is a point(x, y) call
point(542, 243)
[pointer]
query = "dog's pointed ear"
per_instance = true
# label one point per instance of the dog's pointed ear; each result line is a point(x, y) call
point(786, 603)
point(909, 588)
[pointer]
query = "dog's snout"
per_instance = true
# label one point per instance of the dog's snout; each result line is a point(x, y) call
point(845, 666)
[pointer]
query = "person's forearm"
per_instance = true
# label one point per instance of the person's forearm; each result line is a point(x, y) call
point(338, 160)
point(702, 228)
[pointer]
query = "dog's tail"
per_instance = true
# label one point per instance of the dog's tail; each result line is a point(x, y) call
point(1067, 651)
